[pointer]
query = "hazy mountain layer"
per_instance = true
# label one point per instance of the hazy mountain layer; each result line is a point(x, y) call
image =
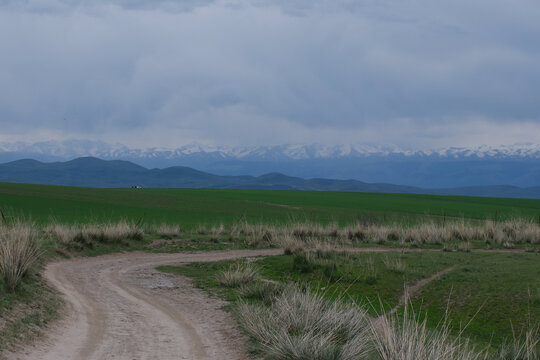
point(517, 165)
point(95, 172)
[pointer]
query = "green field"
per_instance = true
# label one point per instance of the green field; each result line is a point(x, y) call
point(190, 207)
point(501, 289)
point(491, 296)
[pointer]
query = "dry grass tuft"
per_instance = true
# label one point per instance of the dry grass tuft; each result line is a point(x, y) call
point(19, 251)
point(303, 325)
point(167, 230)
point(407, 338)
point(238, 274)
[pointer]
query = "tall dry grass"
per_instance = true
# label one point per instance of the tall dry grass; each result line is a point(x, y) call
point(298, 324)
point(167, 230)
point(19, 251)
point(407, 337)
point(302, 325)
point(295, 236)
point(85, 235)
point(522, 348)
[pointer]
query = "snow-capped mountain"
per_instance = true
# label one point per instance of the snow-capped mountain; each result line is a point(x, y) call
point(76, 148)
point(517, 164)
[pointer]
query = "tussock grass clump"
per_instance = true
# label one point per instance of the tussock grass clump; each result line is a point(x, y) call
point(303, 325)
point(238, 274)
point(264, 291)
point(217, 230)
point(407, 337)
point(19, 251)
point(259, 234)
point(290, 244)
point(167, 230)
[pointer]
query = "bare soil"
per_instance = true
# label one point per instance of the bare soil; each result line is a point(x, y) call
point(120, 307)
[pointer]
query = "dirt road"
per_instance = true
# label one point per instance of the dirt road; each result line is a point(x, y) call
point(120, 307)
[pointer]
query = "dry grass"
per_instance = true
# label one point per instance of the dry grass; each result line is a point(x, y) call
point(394, 264)
point(19, 251)
point(167, 230)
point(407, 337)
point(524, 348)
point(85, 235)
point(237, 274)
point(302, 325)
point(307, 235)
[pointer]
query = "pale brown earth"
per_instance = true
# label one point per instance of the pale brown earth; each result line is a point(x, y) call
point(120, 307)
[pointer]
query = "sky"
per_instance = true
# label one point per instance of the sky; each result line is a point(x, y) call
point(413, 73)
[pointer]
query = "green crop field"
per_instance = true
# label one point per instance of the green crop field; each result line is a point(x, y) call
point(491, 284)
point(191, 207)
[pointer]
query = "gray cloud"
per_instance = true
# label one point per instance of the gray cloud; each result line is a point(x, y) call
point(410, 72)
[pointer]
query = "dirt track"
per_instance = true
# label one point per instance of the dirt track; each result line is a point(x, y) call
point(120, 307)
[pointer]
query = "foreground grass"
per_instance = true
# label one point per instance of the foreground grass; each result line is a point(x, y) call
point(25, 311)
point(490, 297)
point(375, 279)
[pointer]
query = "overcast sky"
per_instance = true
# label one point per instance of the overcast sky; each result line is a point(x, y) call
point(415, 73)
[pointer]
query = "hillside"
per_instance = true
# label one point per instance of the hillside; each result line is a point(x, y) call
point(93, 172)
point(516, 165)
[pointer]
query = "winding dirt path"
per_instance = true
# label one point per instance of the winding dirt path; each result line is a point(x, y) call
point(120, 307)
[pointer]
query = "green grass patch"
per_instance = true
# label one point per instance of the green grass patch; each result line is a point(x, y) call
point(496, 295)
point(191, 207)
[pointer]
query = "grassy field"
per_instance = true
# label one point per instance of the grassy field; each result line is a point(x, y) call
point(501, 289)
point(493, 296)
point(191, 207)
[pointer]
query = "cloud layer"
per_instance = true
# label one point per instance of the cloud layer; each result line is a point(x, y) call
point(415, 73)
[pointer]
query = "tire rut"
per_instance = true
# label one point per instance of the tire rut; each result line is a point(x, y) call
point(117, 308)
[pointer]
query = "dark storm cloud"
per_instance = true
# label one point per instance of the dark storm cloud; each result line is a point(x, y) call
point(415, 72)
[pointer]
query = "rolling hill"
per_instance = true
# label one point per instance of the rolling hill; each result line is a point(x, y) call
point(93, 172)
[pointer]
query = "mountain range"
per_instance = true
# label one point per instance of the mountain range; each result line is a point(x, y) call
point(514, 165)
point(94, 172)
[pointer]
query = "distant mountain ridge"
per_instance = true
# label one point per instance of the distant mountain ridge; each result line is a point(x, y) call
point(93, 172)
point(99, 149)
point(516, 165)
